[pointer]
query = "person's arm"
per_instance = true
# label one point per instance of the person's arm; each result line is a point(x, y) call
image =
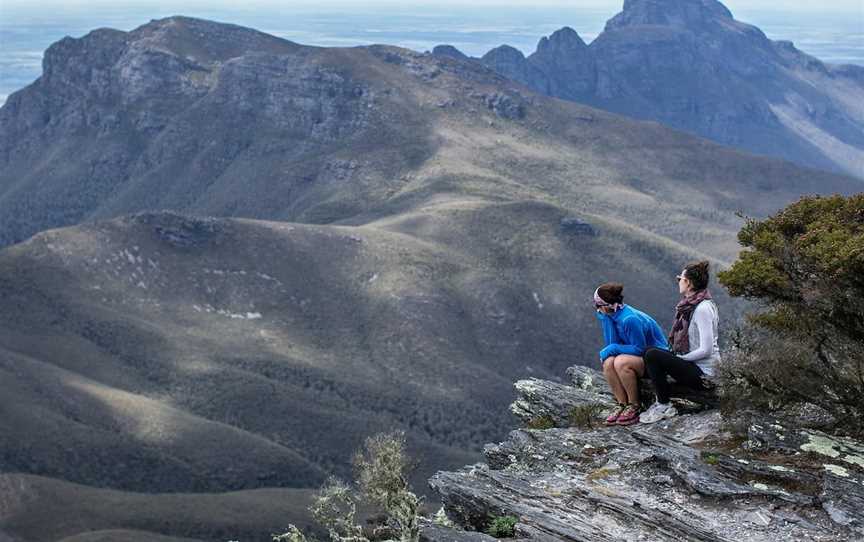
point(636, 342)
point(703, 317)
point(610, 335)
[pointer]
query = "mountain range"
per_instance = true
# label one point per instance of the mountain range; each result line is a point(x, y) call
point(690, 65)
point(231, 257)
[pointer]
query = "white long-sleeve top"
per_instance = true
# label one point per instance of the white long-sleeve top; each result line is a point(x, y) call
point(702, 334)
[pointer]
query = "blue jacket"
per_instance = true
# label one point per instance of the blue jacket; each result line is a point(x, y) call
point(630, 331)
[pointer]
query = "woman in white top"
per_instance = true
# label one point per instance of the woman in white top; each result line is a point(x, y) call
point(695, 352)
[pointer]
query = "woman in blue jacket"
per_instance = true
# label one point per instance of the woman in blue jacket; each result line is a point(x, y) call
point(627, 333)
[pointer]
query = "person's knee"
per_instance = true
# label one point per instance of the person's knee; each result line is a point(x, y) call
point(629, 364)
point(650, 359)
point(651, 356)
point(609, 364)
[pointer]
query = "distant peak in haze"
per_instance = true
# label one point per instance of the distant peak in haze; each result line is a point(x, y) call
point(449, 51)
point(565, 39)
point(504, 52)
point(679, 13)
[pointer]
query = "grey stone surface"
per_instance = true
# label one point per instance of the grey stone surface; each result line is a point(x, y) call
point(681, 479)
point(430, 532)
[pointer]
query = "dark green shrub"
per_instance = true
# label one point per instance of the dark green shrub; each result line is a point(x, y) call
point(502, 527)
point(805, 266)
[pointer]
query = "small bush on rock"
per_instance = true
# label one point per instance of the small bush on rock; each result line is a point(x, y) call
point(586, 416)
point(502, 527)
point(381, 477)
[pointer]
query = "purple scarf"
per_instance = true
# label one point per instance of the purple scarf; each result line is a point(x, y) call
point(680, 338)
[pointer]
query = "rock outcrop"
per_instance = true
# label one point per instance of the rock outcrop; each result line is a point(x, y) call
point(686, 478)
point(689, 64)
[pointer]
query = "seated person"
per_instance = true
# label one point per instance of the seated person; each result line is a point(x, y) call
point(627, 333)
point(695, 352)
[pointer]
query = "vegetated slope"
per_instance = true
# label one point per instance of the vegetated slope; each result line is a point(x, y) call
point(161, 352)
point(39, 509)
point(690, 65)
point(216, 119)
point(225, 354)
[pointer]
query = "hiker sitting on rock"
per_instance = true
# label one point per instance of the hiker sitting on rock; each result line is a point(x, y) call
point(628, 333)
point(695, 352)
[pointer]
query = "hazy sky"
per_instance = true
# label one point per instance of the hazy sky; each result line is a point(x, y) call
point(773, 5)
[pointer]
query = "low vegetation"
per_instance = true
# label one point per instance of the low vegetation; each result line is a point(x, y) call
point(541, 422)
point(805, 267)
point(585, 416)
point(381, 480)
point(502, 526)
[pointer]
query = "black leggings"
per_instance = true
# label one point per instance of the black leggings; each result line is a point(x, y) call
point(661, 363)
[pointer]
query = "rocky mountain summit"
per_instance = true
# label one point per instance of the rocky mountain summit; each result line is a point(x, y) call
point(221, 120)
point(690, 65)
point(687, 478)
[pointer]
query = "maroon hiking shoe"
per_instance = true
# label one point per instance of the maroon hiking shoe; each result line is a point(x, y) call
point(612, 418)
point(628, 416)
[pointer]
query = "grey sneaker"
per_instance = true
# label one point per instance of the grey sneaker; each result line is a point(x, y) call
point(657, 412)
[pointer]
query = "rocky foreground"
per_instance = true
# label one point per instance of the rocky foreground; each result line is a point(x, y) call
point(688, 478)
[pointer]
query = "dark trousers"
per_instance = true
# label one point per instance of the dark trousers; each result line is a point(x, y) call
point(659, 364)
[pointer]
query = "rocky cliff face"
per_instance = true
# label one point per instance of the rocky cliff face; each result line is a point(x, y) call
point(683, 479)
point(689, 64)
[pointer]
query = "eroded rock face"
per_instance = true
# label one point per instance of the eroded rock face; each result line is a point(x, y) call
point(681, 479)
point(183, 114)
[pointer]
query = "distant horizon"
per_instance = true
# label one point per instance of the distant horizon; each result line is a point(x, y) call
point(26, 30)
point(847, 6)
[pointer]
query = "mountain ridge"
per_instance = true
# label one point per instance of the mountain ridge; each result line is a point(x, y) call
point(361, 239)
point(314, 135)
point(690, 65)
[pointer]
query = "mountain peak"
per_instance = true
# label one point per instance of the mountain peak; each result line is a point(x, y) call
point(448, 51)
point(207, 40)
point(505, 52)
point(563, 40)
point(676, 13)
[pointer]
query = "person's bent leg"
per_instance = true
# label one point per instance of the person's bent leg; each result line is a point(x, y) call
point(686, 373)
point(656, 362)
point(629, 369)
point(614, 382)
point(659, 364)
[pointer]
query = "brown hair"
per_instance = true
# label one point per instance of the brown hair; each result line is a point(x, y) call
point(611, 292)
point(698, 275)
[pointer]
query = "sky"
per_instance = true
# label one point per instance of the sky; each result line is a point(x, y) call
point(848, 6)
